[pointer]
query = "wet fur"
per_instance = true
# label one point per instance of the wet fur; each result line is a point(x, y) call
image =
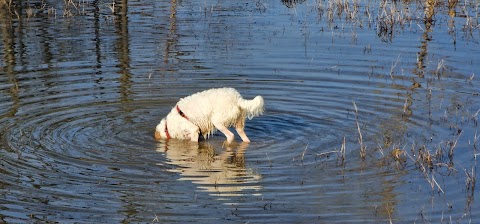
point(208, 111)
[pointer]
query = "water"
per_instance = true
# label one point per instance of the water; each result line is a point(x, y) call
point(82, 88)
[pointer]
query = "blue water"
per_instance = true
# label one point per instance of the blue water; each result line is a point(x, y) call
point(82, 88)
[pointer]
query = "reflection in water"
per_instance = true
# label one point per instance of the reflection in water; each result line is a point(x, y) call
point(121, 24)
point(426, 38)
point(123, 51)
point(451, 21)
point(219, 173)
point(422, 55)
point(77, 107)
point(172, 38)
point(7, 34)
point(96, 26)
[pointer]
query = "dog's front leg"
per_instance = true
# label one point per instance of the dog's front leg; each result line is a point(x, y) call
point(193, 133)
point(194, 136)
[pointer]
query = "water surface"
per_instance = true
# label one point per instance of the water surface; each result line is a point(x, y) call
point(83, 85)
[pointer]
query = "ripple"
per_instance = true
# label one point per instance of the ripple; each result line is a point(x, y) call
point(80, 97)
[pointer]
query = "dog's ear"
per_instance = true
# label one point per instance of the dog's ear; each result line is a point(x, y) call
point(157, 135)
point(159, 129)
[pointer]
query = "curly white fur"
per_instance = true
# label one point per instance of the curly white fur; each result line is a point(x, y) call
point(208, 111)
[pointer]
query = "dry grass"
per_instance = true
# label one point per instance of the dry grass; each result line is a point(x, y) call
point(111, 6)
point(441, 67)
point(5, 3)
point(392, 68)
point(425, 163)
point(470, 181)
point(67, 8)
point(390, 17)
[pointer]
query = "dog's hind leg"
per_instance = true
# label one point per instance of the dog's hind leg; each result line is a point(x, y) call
point(225, 131)
point(242, 134)
point(239, 127)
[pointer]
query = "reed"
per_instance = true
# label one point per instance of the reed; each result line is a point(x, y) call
point(474, 118)
point(470, 79)
point(269, 161)
point(5, 3)
point(406, 108)
point(303, 154)
point(363, 148)
point(111, 6)
point(470, 181)
point(475, 140)
point(389, 18)
point(380, 149)
point(156, 218)
point(342, 152)
point(68, 11)
point(29, 12)
point(425, 158)
point(440, 68)
point(452, 145)
point(392, 68)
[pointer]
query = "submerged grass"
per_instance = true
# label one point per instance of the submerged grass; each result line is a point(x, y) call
point(387, 18)
point(434, 160)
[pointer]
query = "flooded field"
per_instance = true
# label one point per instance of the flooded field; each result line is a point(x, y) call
point(372, 111)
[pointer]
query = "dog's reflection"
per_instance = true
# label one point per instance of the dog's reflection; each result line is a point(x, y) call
point(220, 172)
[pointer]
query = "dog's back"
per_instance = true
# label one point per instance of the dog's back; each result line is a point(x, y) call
point(224, 99)
point(224, 105)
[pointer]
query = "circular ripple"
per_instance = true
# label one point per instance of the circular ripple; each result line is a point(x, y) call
point(78, 108)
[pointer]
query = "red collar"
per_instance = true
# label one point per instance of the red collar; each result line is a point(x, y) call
point(166, 127)
point(166, 130)
point(181, 113)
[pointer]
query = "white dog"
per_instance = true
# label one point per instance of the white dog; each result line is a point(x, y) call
point(207, 111)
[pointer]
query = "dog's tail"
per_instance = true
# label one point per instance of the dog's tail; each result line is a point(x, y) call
point(253, 107)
